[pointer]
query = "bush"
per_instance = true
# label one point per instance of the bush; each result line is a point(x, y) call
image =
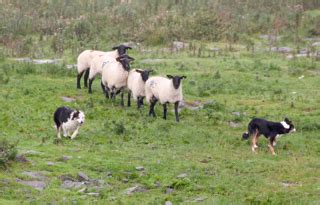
point(8, 152)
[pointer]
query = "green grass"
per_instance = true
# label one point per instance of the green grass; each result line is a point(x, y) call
point(220, 166)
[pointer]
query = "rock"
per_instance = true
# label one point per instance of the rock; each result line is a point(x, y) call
point(47, 61)
point(64, 158)
point(125, 180)
point(200, 199)
point(72, 185)
point(68, 99)
point(136, 188)
point(140, 168)
point(93, 194)
point(71, 66)
point(109, 174)
point(178, 45)
point(215, 49)
point(169, 190)
point(34, 175)
point(51, 163)
point(195, 105)
point(233, 124)
point(270, 37)
point(183, 175)
point(316, 44)
point(236, 113)
point(168, 203)
point(32, 152)
point(39, 185)
point(23, 60)
point(66, 177)
point(82, 177)
point(21, 158)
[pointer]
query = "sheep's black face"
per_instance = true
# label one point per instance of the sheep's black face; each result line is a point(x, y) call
point(122, 49)
point(176, 80)
point(125, 61)
point(144, 74)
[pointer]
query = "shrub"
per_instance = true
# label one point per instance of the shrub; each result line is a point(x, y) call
point(8, 152)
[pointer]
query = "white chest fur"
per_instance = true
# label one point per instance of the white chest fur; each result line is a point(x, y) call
point(70, 126)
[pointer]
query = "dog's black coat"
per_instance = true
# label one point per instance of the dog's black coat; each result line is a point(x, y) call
point(62, 114)
point(267, 128)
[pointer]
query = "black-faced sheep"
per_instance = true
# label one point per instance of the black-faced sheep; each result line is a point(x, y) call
point(85, 58)
point(164, 90)
point(136, 85)
point(115, 74)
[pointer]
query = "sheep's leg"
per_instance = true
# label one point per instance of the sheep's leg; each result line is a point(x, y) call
point(103, 88)
point(140, 102)
point(152, 104)
point(78, 79)
point(86, 76)
point(107, 90)
point(90, 85)
point(165, 111)
point(122, 95)
point(75, 133)
point(129, 98)
point(176, 105)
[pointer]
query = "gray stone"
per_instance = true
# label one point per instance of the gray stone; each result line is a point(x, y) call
point(168, 203)
point(64, 158)
point(71, 66)
point(23, 60)
point(32, 152)
point(35, 175)
point(134, 189)
point(169, 190)
point(150, 61)
point(93, 194)
point(82, 177)
point(68, 99)
point(233, 124)
point(140, 168)
point(199, 199)
point(38, 185)
point(316, 44)
point(183, 175)
point(21, 158)
point(47, 61)
point(178, 45)
point(51, 163)
point(72, 185)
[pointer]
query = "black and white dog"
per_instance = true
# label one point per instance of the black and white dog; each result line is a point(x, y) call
point(271, 130)
point(69, 121)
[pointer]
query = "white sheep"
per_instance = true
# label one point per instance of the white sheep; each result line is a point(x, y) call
point(85, 58)
point(115, 74)
point(136, 85)
point(165, 91)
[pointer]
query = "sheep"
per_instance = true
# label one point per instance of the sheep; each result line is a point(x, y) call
point(136, 83)
point(115, 74)
point(165, 91)
point(85, 58)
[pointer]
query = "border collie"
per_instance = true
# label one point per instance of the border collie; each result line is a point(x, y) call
point(271, 130)
point(69, 121)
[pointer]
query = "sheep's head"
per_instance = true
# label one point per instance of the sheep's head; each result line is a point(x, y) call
point(125, 61)
point(122, 49)
point(176, 80)
point(144, 74)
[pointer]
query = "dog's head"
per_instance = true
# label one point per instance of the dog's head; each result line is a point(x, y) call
point(78, 116)
point(288, 125)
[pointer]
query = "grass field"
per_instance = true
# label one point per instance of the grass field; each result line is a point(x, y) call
point(214, 164)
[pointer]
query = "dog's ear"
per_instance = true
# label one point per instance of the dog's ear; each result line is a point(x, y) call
point(287, 120)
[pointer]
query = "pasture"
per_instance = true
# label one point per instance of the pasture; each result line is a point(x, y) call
point(201, 159)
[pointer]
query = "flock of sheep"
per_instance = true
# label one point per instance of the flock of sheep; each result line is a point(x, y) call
point(114, 66)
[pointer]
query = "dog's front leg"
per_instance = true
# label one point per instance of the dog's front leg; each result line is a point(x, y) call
point(58, 132)
point(75, 133)
point(254, 141)
point(271, 144)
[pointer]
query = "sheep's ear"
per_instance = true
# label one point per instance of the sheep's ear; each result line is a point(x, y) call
point(170, 76)
point(118, 58)
point(130, 58)
point(115, 47)
point(128, 47)
point(150, 71)
point(139, 71)
point(183, 76)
